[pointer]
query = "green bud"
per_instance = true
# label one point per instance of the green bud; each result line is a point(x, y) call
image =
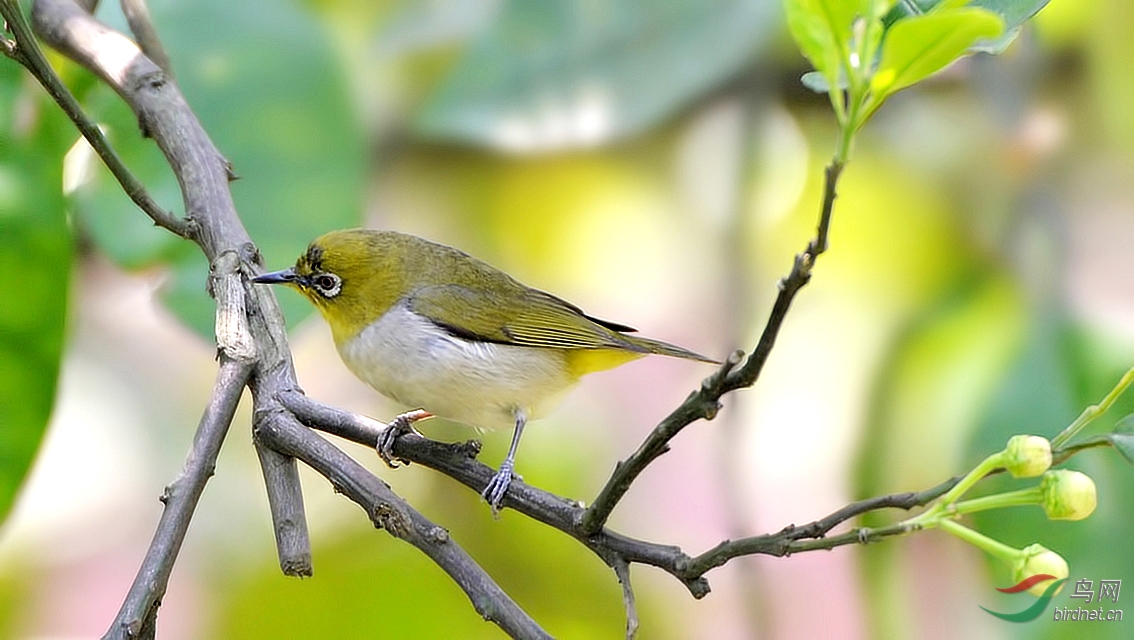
point(1068, 495)
point(1027, 456)
point(1037, 559)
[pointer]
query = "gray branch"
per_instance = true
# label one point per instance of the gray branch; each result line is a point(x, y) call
point(388, 511)
point(458, 461)
point(138, 615)
point(138, 17)
point(212, 222)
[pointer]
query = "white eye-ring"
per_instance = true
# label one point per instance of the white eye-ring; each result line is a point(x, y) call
point(327, 284)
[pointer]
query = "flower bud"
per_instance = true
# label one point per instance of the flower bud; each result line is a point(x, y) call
point(1037, 559)
point(1068, 495)
point(1027, 456)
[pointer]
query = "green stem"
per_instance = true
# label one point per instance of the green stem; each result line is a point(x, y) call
point(992, 547)
point(943, 506)
point(1093, 411)
point(985, 467)
point(1022, 497)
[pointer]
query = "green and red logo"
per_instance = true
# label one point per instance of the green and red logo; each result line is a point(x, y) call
point(1038, 607)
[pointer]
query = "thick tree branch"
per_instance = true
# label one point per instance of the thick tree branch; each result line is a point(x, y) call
point(387, 511)
point(213, 224)
point(202, 173)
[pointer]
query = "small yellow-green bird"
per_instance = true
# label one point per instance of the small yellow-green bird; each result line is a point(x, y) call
point(433, 327)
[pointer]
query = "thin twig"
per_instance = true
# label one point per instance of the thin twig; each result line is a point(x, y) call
point(622, 570)
point(458, 462)
point(142, 26)
point(812, 536)
point(704, 403)
point(27, 52)
point(138, 615)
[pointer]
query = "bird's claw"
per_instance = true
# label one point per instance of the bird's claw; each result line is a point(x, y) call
point(400, 425)
point(498, 486)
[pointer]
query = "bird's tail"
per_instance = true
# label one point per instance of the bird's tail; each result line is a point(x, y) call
point(666, 349)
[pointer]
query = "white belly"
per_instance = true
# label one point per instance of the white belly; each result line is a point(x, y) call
point(409, 359)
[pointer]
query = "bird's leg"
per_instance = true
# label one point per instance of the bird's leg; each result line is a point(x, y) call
point(496, 488)
point(399, 425)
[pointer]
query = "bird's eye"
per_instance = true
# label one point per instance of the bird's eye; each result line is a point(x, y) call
point(328, 284)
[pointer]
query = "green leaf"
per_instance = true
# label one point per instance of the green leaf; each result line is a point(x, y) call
point(1014, 13)
point(1123, 437)
point(1125, 426)
point(819, 37)
point(1124, 443)
point(35, 261)
point(266, 84)
point(816, 82)
point(550, 74)
point(922, 45)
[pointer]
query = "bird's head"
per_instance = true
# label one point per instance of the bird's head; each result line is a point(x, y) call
point(351, 276)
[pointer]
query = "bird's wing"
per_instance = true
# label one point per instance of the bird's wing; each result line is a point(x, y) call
point(518, 316)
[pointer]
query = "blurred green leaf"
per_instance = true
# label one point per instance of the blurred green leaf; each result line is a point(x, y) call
point(1014, 13)
point(1123, 437)
point(822, 30)
point(1125, 426)
point(35, 260)
point(919, 46)
point(559, 73)
point(267, 87)
point(104, 211)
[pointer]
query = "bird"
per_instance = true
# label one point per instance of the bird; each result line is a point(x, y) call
point(433, 327)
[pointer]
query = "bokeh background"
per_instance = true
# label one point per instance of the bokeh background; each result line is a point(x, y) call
point(659, 164)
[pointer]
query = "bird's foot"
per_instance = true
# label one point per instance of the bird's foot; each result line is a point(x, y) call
point(496, 488)
point(399, 425)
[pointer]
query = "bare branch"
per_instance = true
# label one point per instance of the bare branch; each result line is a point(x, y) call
point(812, 536)
point(138, 17)
point(388, 511)
point(458, 462)
point(281, 474)
point(285, 501)
point(705, 402)
point(622, 570)
point(204, 175)
point(138, 614)
point(226, 285)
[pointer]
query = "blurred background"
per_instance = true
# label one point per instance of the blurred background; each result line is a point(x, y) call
point(658, 164)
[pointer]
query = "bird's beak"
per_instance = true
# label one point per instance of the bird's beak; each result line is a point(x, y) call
point(277, 277)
